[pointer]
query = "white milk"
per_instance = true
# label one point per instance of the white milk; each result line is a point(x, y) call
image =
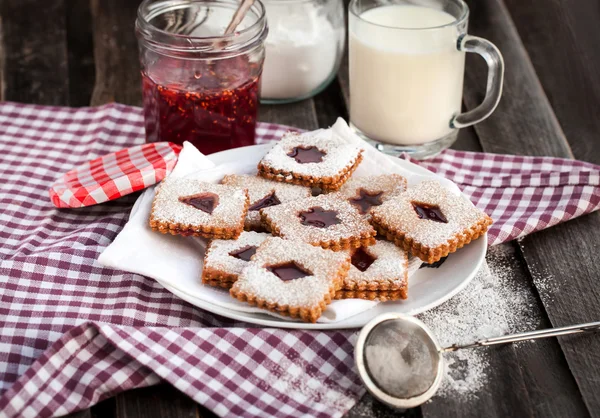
point(405, 85)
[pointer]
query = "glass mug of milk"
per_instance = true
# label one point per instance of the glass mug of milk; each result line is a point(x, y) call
point(407, 62)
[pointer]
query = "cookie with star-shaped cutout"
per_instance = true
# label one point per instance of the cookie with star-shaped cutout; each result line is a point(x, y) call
point(313, 159)
point(264, 193)
point(324, 221)
point(367, 192)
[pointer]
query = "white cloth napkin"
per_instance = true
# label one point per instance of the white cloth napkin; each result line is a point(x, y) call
point(176, 261)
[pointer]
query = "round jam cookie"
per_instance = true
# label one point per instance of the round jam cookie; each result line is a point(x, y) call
point(291, 278)
point(192, 207)
point(224, 260)
point(367, 192)
point(264, 193)
point(324, 221)
point(313, 159)
point(429, 221)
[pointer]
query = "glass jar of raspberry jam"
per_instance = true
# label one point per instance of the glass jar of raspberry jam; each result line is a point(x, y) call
point(198, 84)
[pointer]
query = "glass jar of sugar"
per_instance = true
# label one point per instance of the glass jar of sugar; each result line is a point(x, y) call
point(303, 49)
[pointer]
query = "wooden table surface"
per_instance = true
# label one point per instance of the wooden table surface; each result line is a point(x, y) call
point(80, 53)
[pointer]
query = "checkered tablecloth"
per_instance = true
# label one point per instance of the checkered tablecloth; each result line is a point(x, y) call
point(73, 333)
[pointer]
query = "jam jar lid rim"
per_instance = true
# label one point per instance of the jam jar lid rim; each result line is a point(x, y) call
point(146, 29)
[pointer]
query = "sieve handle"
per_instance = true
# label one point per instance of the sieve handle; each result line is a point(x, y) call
point(531, 335)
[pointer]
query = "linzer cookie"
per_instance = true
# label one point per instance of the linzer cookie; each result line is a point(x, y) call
point(291, 278)
point(191, 207)
point(264, 193)
point(370, 191)
point(225, 259)
point(312, 159)
point(324, 221)
point(429, 221)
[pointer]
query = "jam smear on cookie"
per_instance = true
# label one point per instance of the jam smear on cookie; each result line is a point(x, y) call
point(361, 259)
point(319, 217)
point(206, 202)
point(431, 212)
point(366, 200)
point(267, 201)
point(289, 271)
point(305, 155)
point(244, 253)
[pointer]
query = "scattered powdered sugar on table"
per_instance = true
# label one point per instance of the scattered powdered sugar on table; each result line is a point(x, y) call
point(495, 303)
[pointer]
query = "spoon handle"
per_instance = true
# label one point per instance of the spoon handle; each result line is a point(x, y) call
point(531, 335)
point(239, 15)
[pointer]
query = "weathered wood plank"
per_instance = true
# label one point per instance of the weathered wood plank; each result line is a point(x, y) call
point(562, 39)
point(559, 259)
point(161, 401)
point(33, 52)
point(118, 76)
point(80, 48)
point(300, 114)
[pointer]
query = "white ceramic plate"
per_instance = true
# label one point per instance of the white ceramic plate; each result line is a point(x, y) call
point(428, 288)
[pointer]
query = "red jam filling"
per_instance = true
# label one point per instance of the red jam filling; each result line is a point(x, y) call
point(319, 217)
point(265, 202)
point(244, 253)
point(304, 155)
point(206, 202)
point(288, 271)
point(362, 260)
point(366, 200)
point(430, 212)
point(213, 106)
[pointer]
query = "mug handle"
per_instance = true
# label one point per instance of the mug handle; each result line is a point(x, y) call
point(493, 91)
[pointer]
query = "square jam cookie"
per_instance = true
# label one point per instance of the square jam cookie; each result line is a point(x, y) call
point(367, 192)
point(224, 260)
point(291, 278)
point(192, 207)
point(313, 159)
point(263, 194)
point(324, 221)
point(429, 221)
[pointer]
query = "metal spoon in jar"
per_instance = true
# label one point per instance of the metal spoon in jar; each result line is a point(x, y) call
point(400, 360)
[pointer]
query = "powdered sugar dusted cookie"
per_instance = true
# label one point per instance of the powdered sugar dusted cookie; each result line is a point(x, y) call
point(429, 221)
point(225, 259)
point(313, 159)
point(324, 221)
point(370, 191)
point(192, 207)
point(291, 278)
point(264, 193)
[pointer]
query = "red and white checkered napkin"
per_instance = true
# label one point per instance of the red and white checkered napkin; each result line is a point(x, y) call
point(73, 333)
point(115, 175)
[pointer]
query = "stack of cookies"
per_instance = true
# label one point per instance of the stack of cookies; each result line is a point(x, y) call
point(304, 231)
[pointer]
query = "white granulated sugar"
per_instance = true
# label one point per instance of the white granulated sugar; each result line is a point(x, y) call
point(306, 291)
point(228, 211)
point(495, 303)
point(389, 271)
point(340, 154)
point(286, 218)
point(398, 213)
point(301, 49)
point(218, 253)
